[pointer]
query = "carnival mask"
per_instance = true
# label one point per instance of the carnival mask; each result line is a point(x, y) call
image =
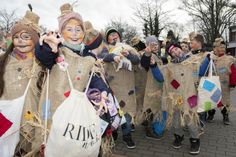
point(73, 32)
point(23, 42)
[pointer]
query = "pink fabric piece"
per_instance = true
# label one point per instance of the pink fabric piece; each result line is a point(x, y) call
point(73, 15)
point(192, 101)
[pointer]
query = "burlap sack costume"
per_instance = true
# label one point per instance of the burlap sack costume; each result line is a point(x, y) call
point(178, 87)
point(79, 69)
point(223, 65)
point(196, 60)
point(122, 82)
point(17, 75)
point(140, 75)
point(153, 90)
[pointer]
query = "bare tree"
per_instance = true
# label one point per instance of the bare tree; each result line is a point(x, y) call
point(153, 18)
point(127, 31)
point(43, 29)
point(7, 19)
point(211, 17)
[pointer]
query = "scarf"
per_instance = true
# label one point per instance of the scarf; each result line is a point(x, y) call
point(21, 56)
point(76, 48)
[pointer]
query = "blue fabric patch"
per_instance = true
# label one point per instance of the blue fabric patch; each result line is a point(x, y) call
point(195, 74)
point(208, 85)
point(222, 70)
point(216, 95)
point(48, 110)
point(160, 125)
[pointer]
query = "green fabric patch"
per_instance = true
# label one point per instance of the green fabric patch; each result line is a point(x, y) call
point(207, 106)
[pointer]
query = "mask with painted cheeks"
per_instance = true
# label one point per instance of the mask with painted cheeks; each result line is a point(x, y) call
point(23, 42)
point(73, 32)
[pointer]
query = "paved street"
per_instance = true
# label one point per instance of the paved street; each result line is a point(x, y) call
point(217, 141)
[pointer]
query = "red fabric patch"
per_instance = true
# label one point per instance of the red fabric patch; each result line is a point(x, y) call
point(66, 94)
point(175, 84)
point(5, 124)
point(232, 77)
point(108, 132)
point(219, 104)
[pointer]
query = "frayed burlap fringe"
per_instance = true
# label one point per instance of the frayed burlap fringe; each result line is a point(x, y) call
point(107, 145)
point(36, 122)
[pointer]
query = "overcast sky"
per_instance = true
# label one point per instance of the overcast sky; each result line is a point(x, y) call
point(99, 12)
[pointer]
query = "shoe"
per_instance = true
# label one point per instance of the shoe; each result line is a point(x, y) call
point(225, 116)
point(226, 119)
point(128, 141)
point(177, 142)
point(210, 119)
point(152, 136)
point(195, 146)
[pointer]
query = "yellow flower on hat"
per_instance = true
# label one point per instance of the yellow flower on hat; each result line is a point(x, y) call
point(29, 116)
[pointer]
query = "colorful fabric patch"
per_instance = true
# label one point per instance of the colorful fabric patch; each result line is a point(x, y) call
point(48, 110)
point(222, 70)
point(195, 74)
point(5, 124)
point(209, 86)
point(216, 95)
point(207, 106)
point(192, 101)
point(175, 84)
point(66, 94)
point(121, 113)
point(219, 104)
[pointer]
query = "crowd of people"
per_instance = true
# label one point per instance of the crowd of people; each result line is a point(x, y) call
point(47, 76)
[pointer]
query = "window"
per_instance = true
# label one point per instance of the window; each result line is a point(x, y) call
point(232, 36)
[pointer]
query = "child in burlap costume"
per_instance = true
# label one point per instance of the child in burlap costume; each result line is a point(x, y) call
point(122, 80)
point(180, 97)
point(140, 75)
point(94, 42)
point(225, 68)
point(18, 66)
point(69, 50)
point(197, 57)
point(153, 89)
